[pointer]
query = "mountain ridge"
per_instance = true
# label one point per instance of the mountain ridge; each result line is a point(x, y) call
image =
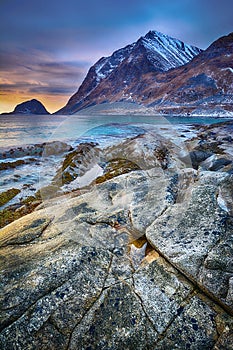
point(154, 52)
point(204, 82)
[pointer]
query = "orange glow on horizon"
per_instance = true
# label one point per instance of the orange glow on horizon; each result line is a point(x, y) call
point(52, 103)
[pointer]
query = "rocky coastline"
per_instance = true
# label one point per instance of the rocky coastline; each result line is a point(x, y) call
point(139, 256)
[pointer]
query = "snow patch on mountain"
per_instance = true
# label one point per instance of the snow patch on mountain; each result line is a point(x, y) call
point(229, 69)
point(106, 65)
point(173, 52)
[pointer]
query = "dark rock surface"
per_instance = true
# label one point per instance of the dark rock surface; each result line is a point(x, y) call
point(140, 261)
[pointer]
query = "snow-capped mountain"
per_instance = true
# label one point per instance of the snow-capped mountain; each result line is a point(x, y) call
point(109, 78)
point(205, 83)
point(166, 52)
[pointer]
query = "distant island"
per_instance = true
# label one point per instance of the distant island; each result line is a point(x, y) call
point(29, 107)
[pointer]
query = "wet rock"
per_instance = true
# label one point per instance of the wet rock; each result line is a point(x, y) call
point(55, 148)
point(37, 150)
point(16, 211)
point(11, 165)
point(77, 163)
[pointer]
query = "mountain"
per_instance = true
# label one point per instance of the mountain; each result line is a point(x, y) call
point(205, 83)
point(29, 107)
point(110, 79)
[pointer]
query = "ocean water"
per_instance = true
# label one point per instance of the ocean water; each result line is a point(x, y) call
point(19, 131)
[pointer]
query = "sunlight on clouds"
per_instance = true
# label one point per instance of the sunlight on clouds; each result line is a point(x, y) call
point(6, 81)
point(26, 75)
point(52, 103)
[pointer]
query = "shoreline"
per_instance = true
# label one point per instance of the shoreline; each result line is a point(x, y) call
point(44, 161)
point(146, 247)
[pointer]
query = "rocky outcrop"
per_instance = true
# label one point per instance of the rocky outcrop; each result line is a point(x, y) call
point(112, 78)
point(30, 107)
point(142, 260)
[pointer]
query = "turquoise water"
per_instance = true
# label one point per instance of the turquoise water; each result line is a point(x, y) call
point(17, 130)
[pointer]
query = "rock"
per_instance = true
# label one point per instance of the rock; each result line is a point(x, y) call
point(189, 331)
point(215, 163)
point(42, 149)
point(68, 281)
point(77, 163)
point(195, 236)
point(11, 165)
point(6, 196)
point(30, 107)
point(197, 157)
point(55, 148)
point(140, 261)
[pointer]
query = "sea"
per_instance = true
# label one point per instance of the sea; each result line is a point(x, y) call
point(23, 130)
point(19, 130)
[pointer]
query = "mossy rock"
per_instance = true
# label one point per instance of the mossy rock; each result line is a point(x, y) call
point(13, 212)
point(116, 167)
point(6, 196)
point(28, 200)
point(67, 178)
point(11, 165)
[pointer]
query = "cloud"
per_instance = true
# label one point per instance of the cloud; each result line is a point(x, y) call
point(77, 25)
point(34, 72)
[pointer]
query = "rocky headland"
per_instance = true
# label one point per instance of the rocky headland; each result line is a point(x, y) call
point(138, 257)
point(29, 108)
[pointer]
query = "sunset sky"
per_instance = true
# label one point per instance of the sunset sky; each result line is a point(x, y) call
point(47, 46)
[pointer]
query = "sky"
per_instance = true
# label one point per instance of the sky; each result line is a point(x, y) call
point(47, 46)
